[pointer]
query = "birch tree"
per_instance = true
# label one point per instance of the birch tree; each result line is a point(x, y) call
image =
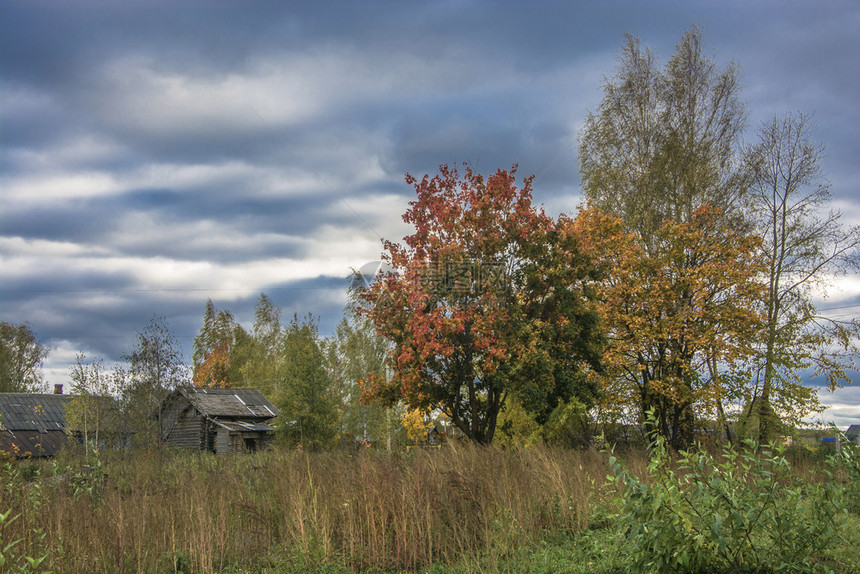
point(156, 367)
point(664, 142)
point(93, 412)
point(805, 247)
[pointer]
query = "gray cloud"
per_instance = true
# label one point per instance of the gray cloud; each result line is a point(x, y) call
point(155, 154)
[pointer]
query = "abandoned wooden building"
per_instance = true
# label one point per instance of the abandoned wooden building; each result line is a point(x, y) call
point(217, 420)
point(32, 424)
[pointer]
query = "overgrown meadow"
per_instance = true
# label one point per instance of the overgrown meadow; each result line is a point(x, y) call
point(460, 508)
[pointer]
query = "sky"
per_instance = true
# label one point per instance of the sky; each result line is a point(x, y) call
point(157, 154)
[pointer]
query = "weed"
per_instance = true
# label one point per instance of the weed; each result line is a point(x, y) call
point(11, 560)
point(746, 512)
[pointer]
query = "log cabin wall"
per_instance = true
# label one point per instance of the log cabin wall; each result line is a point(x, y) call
point(185, 426)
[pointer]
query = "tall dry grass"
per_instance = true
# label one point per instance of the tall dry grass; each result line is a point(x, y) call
point(171, 512)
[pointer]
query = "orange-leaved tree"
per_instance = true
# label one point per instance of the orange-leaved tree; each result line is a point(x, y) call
point(480, 304)
point(214, 370)
point(214, 361)
point(679, 318)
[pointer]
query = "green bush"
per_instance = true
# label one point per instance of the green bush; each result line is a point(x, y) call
point(746, 512)
point(847, 460)
point(12, 561)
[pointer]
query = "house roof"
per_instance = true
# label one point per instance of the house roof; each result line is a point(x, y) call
point(230, 403)
point(853, 430)
point(33, 412)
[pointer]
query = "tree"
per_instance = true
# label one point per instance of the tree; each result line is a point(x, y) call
point(671, 314)
point(214, 371)
point(804, 246)
point(226, 355)
point(220, 349)
point(305, 395)
point(21, 357)
point(156, 367)
point(664, 145)
point(93, 411)
point(468, 310)
point(353, 353)
point(664, 142)
point(262, 366)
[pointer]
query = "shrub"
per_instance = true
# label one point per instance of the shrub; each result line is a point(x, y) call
point(847, 460)
point(10, 559)
point(746, 512)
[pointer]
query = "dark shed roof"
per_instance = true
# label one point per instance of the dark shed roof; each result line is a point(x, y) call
point(34, 424)
point(33, 412)
point(230, 403)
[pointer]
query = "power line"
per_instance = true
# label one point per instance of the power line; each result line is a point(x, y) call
point(840, 307)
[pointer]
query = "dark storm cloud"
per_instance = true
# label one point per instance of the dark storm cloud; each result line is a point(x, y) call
point(63, 288)
point(423, 141)
point(96, 223)
point(55, 223)
point(48, 43)
point(156, 154)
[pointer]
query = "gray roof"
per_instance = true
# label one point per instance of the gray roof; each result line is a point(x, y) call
point(853, 430)
point(230, 403)
point(33, 412)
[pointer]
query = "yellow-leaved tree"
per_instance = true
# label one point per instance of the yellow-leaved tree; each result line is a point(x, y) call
point(678, 318)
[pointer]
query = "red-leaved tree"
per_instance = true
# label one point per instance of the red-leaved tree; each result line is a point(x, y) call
point(488, 297)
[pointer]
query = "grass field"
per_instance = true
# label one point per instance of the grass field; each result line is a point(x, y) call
point(457, 509)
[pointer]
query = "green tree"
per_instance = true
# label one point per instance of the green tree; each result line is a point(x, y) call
point(21, 358)
point(805, 245)
point(93, 411)
point(263, 363)
point(664, 143)
point(305, 395)
point(217, 329)
point(156, 367)
point(354, 352)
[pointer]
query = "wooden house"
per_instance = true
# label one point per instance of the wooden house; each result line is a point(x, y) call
point(35, 425)
point(217, 420)
point(853, 434)
point(32, 424)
